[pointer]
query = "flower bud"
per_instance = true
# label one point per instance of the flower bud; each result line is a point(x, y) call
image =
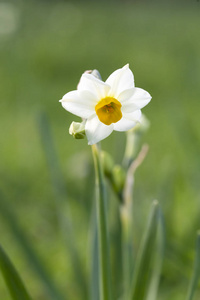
point(107, 163)
point(142, 126)
point(96, 74)
point(77, 130)
point(118, 177)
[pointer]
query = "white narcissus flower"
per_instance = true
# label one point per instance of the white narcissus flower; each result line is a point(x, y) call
point(111, 105)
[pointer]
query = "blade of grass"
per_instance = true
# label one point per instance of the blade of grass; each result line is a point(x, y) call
point(13, 281)
point(158, 260)
point(126, 249)
point(196, 271)
point(62, 207)
point(143, 262)
point(29, 252)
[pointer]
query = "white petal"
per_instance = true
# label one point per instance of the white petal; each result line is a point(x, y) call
point(134, 116)
point(96, 130)
point(96, 86)
point(134, 99)
point(120, 80)
point(79, 103)
point(128, 121)
point(124, 125)
point(125, 98)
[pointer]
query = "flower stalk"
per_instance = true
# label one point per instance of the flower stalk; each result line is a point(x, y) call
point(127, 248)
point(103, 243)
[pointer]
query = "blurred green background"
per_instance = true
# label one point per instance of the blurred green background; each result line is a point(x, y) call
point(45, 46)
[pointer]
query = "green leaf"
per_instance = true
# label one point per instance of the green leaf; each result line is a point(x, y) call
point(14, 283)
point(157, 261)
point(196, 271)
point(62, 207)
point(28, 250)
point(143, 264)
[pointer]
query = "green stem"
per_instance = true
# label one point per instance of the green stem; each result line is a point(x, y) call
point(132, 143)
point(104, 264)
point(127, 250)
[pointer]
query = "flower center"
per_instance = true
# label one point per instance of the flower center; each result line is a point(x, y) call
point(108, 110)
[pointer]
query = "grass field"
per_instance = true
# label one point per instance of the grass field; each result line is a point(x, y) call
point(42, 56)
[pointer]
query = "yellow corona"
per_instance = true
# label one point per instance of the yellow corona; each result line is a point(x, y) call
point(108, 110)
